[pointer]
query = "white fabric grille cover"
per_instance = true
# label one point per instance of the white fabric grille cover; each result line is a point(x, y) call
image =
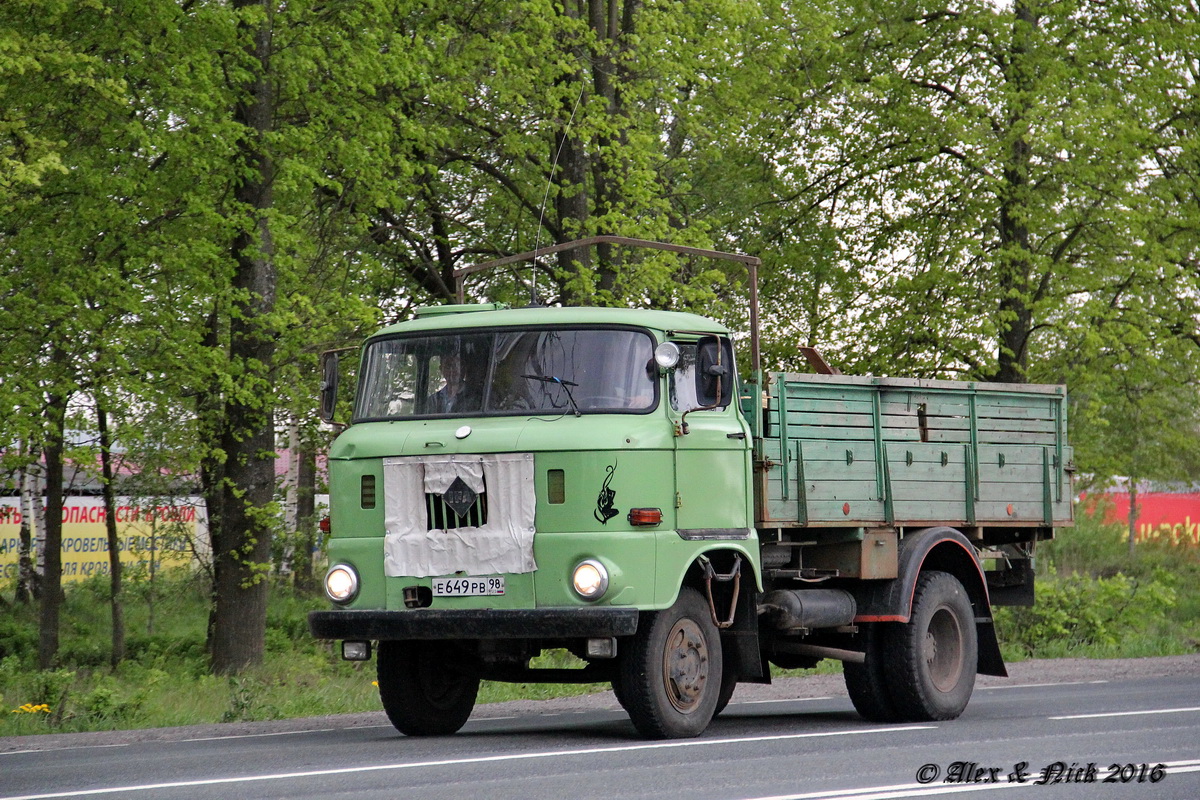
point(504, 544)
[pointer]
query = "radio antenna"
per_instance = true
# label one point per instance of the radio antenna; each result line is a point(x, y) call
point(537, 242)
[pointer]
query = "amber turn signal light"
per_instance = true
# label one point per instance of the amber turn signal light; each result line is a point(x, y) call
point(645, 516)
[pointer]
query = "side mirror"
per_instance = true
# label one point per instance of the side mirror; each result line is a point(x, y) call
point(329, 385)
point(714, 384)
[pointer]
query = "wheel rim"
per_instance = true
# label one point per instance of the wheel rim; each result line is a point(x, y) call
point(685, 665)
point(440, 687)
point(944, 649)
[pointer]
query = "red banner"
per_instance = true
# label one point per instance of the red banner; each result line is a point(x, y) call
point(1161, 516)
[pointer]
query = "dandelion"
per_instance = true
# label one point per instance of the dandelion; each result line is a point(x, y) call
point(374, 683)
point(30, 708)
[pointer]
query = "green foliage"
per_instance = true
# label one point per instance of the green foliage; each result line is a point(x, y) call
point(1093, 600)
point(1076, 612)
point(17, 637)
point(1091, 547)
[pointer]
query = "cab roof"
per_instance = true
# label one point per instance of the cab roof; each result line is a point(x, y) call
point(444, 318)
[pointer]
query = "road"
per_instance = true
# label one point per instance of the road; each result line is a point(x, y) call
point(806, 749)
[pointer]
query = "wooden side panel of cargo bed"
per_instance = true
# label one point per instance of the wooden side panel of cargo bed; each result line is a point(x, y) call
point(846, 451)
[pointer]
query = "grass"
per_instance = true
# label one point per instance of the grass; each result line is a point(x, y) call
point(1094, 601)
point(165, 679)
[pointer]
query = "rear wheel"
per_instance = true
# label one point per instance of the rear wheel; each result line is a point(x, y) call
point(671, 673)
point(934, 656)
point(421, 692)
point(866, 682)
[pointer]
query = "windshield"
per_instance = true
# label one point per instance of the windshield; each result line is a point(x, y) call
point(502, 372)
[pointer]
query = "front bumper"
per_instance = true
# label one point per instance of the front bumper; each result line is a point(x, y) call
point(538, 623)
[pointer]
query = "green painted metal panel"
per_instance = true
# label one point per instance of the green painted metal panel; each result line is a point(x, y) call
point(629, 556)
point(676, 555)
point(635, 480)
point(603, 465)
point(543, 317)
point(365, 554)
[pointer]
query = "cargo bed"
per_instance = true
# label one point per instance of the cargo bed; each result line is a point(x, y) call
point(842, 451)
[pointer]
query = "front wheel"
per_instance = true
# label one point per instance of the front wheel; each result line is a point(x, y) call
point(421, 692)
point(934, 655)
point(671, 673)
point(729, 679)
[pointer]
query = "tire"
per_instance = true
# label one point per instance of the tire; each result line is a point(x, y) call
point(729, 679)
point(619, 693)
point(866, 683)
point(933, 657)
point(421, 693)
point(671, 672)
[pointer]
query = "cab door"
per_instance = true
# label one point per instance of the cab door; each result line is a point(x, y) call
point(712, 455)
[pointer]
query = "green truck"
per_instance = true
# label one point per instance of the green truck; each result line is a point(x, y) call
point(605, 482)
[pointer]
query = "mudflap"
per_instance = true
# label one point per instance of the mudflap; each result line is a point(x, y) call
point(741, 641)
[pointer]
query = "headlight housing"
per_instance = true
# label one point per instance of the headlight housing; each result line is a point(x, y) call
point(589, 579)
point(341, 583)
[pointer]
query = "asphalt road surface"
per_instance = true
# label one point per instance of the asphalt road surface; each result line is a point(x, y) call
point(1126, 729)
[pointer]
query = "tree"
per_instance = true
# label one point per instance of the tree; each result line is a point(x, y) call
point(541, 123)
point(297, 89)
point(981, 172)
point(63, 234)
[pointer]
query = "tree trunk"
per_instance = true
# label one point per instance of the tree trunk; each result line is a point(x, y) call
point(243, 544)
point(1016, 263)
point(209, 410)
point(571, 207)
point(1133, 515)
point(612, 23)
point(291, 492)
point(52, 593)
point(28, 588)
point(39, 528)
point(110, 527)
point(306, 519)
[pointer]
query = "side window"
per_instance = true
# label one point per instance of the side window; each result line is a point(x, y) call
point(704, 377)
point(390, 382)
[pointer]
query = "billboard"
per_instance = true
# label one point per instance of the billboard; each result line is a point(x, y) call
point(1161, 516)
point(163, 531)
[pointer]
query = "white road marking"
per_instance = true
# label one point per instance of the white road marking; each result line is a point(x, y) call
point(792, 700)
point(256, 735)
point(1039, 685)
point(60, 749)
point(1131, 713)
point(464, 761)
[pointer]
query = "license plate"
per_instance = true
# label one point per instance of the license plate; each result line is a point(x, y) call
point(468, 587)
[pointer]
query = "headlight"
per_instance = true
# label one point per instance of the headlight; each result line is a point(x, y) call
point(341, 583)
point(590, 579)
point(666, 355)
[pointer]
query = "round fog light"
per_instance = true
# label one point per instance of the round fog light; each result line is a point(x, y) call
point(341, 583)
point(590, 579)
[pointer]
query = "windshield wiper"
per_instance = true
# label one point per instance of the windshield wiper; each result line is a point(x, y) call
point(566, 385)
